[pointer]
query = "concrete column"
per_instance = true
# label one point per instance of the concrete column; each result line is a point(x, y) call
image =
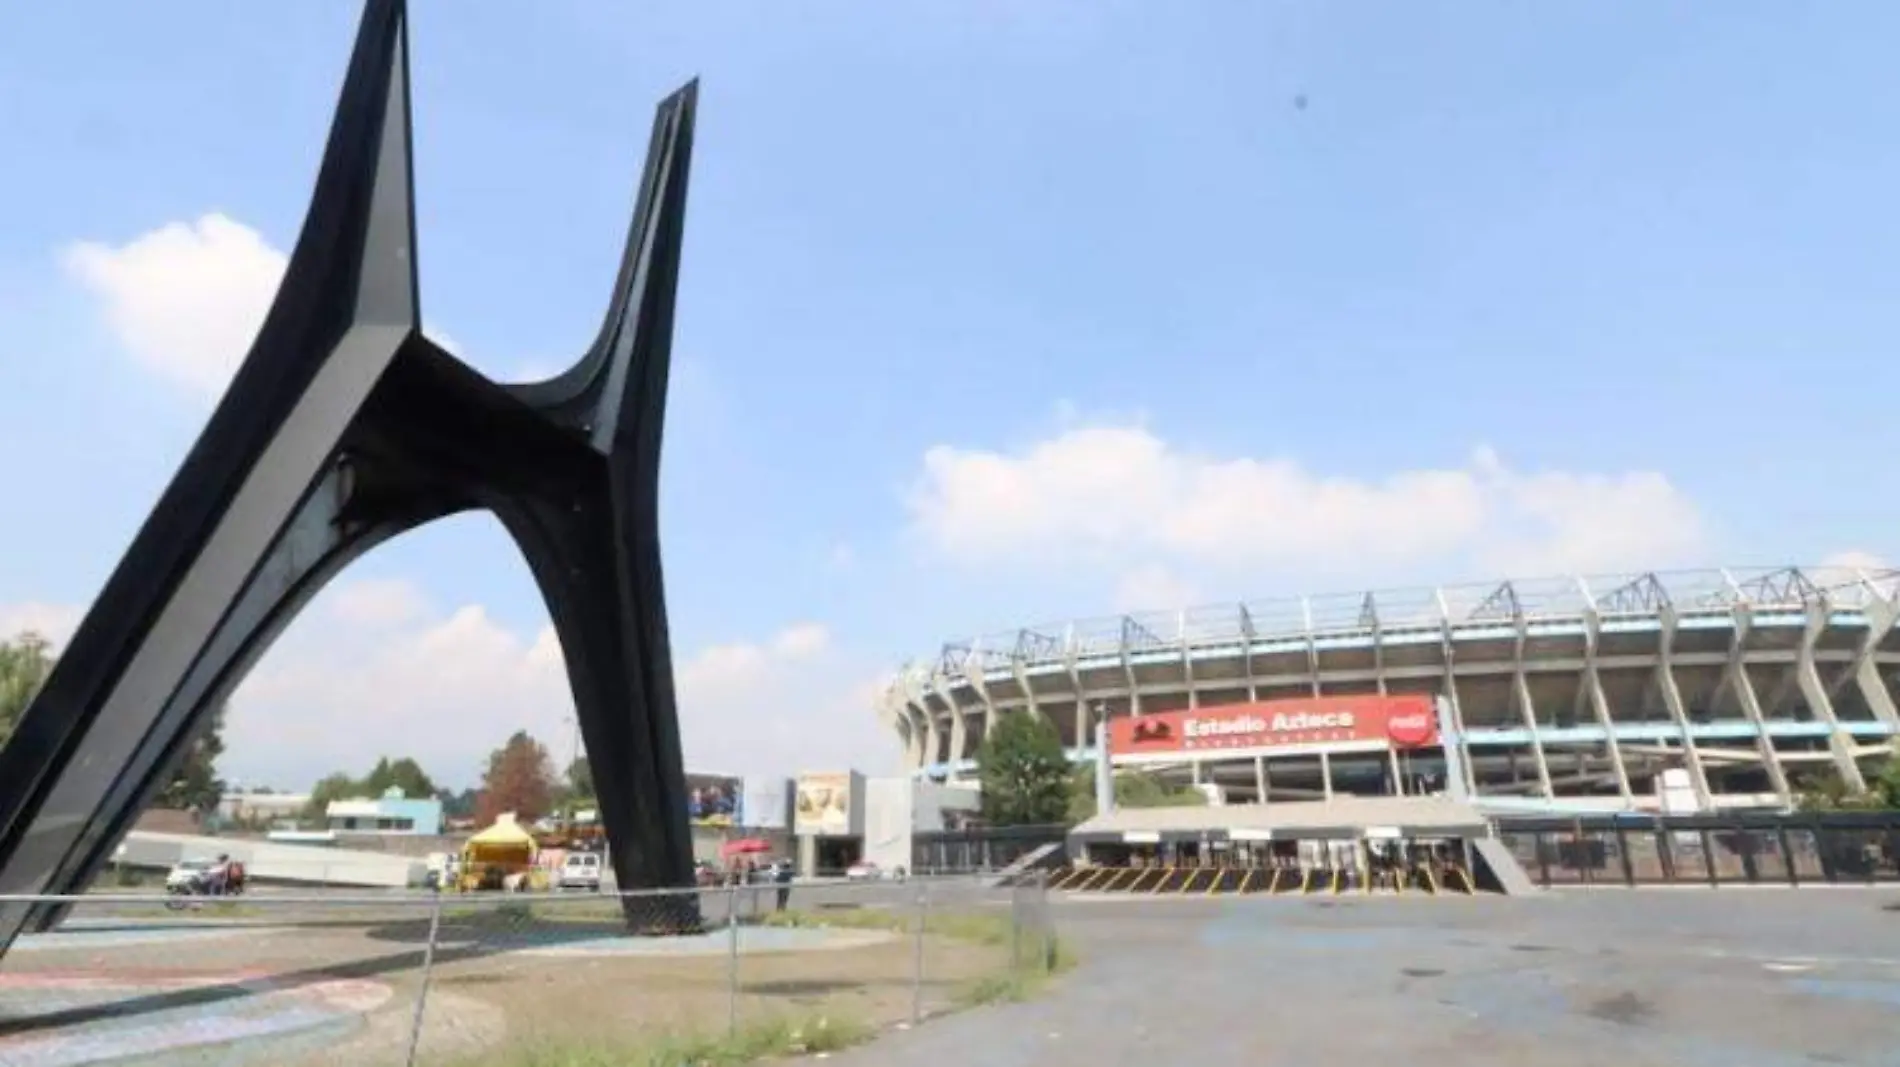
point(1745, 695)
point(1881, 618)
point(1872, 690)
point(1840, 743)
point(1260, 778)
point(917, 711)
point(959, 721)
point(1187, 664)
point(1672, 699)
point(1452, 743)
point(1593, 686)
point(1520, 685)
point(1128, 672)
point(1398, 778)
point(1326, 775)
point(1312, 646)
point(1022, 682)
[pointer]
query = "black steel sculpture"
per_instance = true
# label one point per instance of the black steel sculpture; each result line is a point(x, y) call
point(344, 427)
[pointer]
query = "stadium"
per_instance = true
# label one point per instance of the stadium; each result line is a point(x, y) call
point(1673, 692)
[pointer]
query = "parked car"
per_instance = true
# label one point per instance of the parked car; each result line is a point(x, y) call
point(866, 871)
point(580, 870)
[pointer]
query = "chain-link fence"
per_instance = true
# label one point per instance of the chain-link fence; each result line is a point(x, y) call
point(479, 979)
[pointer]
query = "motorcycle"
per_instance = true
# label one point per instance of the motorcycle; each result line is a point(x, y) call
point(188, 881)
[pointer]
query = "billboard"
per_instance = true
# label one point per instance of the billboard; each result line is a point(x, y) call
point(1409, 721)
point(712, 799)
point(829, 803)
point(766, 803)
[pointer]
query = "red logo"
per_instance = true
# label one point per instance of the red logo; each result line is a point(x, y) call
point(1411, 728)
point(1152, 731)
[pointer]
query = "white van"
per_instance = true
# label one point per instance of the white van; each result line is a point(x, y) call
point(580, 870)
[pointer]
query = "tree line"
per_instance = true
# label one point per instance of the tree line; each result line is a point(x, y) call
point(519, 776)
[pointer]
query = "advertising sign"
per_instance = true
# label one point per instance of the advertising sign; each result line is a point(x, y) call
point(766, 804)
point(824, 803)
point(712, 799)
point(1409, 721)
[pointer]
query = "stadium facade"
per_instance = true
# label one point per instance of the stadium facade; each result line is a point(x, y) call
point(1732, 688)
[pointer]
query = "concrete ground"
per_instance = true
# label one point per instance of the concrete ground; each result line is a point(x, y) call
point(1707, 978)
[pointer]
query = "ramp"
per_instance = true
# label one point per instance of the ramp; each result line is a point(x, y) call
point(1498, 870)
point(1042, 858)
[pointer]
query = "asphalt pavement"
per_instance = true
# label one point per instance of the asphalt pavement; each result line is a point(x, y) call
point(1715, 978)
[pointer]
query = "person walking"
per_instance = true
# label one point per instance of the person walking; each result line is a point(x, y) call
point(782, 875)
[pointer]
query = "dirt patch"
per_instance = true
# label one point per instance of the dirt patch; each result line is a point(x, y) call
point(1623, 1009)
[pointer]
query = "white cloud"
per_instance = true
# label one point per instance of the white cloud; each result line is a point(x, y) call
point(1854, 565)
point(55, 622)
point(1153, 587)
point(1854, 560)
point(372, 668)
point(185, 299)
point(842, 557)
point(378, 602)
point(1109, 495)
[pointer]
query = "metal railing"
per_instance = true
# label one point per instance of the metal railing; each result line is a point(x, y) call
point(1690, 592)
point(407, 977)
point(1713, 850)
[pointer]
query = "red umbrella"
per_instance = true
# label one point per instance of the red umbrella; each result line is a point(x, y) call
point(744, 845)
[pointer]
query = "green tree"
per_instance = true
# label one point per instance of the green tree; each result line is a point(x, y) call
point(1133, 789)
point(1023, 772)
point(520, 779)
point(25, 661)
point(337, 786)
point(195, 785)
point(1825, 791)
point(1886, 784)
point(459, 805)
point(580, 779)
point(404, 774)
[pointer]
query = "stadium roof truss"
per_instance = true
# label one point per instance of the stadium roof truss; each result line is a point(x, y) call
point(1513, 602)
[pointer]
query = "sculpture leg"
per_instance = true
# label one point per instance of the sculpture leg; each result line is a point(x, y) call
point(619, 666)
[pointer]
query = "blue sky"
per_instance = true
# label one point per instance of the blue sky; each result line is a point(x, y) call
point(992, 314)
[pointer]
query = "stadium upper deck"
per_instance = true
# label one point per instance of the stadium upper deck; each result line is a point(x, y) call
point(1568, 693)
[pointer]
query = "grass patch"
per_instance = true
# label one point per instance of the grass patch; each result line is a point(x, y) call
point(1021, 983)
point(1025, 979)
point(977, 927)
point(766, 1039)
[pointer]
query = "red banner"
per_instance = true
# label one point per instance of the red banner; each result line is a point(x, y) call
point(1401, 721)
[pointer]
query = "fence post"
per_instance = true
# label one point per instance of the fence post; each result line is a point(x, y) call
point(428, 967)
point(732, 958)
point(1047, 961)
point(917, 961)
point(1015, 927)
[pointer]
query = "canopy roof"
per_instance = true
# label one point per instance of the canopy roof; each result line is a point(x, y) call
point(506, 832)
